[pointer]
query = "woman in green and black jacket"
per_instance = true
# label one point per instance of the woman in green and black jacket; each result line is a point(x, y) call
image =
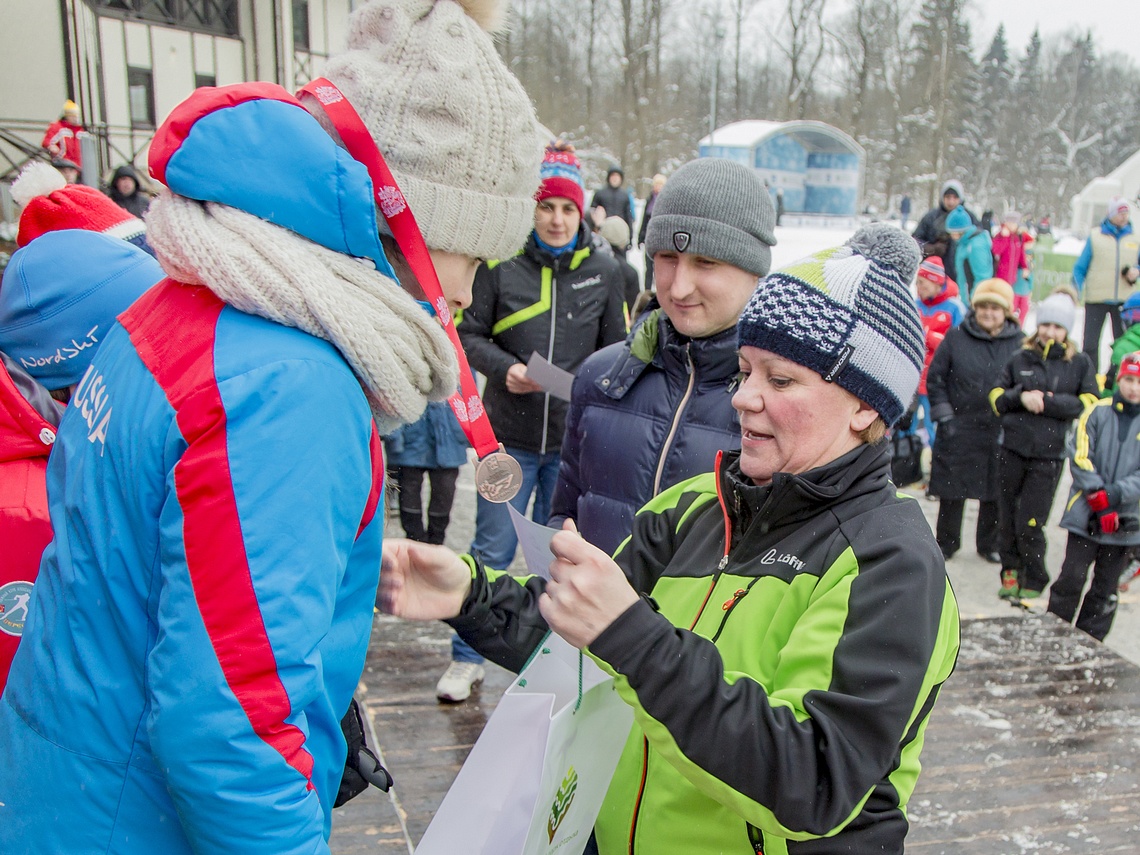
point(780, 626)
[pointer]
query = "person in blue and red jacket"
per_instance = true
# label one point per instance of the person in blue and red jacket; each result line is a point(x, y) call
point(940, 310)
point(201, 618)
point(53, 315)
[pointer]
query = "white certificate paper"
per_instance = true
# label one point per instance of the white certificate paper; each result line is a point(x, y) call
point(557, 381)
point(535, 542)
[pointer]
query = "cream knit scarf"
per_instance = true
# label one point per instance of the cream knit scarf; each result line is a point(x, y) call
point(399, 352)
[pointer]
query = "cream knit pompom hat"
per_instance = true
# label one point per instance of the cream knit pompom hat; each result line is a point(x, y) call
point(455, 126)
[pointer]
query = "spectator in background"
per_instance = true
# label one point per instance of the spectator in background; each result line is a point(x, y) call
point(964, 463)
point(940, 311)
point(50, 204)
point(126, 192)
point(558, 298)
point(931, 233)
point(904, 210)
point(655, 409)
point(59, 298)
point(616, 233)
point(613, 199)
point(1101, 515)
point(68, 169)
point(1044, 386)
point(973, 255)
point(1105, 274)
point(1128, 342)
point(1009, 249)
point(61, 139)
point(646, 216)
point(434, 446)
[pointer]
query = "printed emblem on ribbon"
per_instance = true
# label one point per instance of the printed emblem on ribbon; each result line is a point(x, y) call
point(391, 201)
point(442, 310)
point(328, 94)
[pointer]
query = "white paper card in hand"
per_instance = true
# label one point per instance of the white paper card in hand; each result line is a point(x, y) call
point(535, 542)
point(557, 381)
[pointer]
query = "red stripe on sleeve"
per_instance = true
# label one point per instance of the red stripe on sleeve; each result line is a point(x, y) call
point(173, 329)
point(376, 450)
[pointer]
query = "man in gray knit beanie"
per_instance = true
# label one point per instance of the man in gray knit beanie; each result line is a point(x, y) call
point(657, 404)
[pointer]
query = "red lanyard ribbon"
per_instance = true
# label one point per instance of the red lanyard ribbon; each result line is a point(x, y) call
point(390, 200)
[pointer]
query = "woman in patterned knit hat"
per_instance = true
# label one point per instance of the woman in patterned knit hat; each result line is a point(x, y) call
point(791, 605)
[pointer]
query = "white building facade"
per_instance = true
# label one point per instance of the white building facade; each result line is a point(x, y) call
point(128, 63)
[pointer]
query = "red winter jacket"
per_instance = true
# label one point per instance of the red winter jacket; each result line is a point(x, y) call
point(939, 315)
point(28, 420)
point(1009, 256)
point(61, 141)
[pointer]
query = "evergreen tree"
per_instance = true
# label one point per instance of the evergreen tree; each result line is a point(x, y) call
point(994, 116)
point(942, 87)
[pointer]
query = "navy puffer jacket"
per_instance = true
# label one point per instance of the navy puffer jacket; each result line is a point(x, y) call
point(646, 414)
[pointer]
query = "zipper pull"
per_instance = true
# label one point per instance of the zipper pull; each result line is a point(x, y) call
point(731, 601)
point(723, 563)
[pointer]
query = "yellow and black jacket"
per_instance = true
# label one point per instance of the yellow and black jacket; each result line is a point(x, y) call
point(1068, 379)
point(563, 308)
point(782, 665)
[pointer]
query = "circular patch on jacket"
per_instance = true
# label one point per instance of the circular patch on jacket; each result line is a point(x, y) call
point(14, 599)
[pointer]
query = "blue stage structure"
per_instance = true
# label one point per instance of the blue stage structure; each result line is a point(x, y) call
point(818, 168)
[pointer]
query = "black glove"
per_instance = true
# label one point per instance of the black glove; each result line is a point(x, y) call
point(361, 767)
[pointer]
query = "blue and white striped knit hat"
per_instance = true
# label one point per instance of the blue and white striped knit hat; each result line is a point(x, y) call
point(847, 313)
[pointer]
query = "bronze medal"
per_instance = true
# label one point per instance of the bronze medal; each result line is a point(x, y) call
point(498, 477)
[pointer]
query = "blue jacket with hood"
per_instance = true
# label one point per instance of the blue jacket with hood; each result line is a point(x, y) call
point(201, 618)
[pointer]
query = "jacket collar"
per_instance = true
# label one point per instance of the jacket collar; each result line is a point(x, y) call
point(790, 499)
point(654, 341)
point(1123, 407)
point(1011, 329)
point(569, 260)
point(28, 415)
point(1115, 231)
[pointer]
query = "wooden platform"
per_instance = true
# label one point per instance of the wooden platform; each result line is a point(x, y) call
point(1034, 746)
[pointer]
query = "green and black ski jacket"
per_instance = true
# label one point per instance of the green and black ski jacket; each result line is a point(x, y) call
point(782, 665)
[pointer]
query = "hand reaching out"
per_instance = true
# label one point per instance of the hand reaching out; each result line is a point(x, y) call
point(587, 591)
point(421, 582)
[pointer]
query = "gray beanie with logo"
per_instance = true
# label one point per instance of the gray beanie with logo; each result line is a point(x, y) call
point(716, 208)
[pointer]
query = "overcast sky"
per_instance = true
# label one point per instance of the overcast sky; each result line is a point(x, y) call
point(1115, 24)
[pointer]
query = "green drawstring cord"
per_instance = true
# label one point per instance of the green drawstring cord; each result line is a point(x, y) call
point(580, 664)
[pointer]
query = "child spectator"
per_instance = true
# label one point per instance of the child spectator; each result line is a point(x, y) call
point(1010, 261)
point(973, 256)
point(1043, 387)
point(53, 315)
point(1101, 515)
point(1023, 287)
point(434, 445)
point(1128, 342)
point(940, 311)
